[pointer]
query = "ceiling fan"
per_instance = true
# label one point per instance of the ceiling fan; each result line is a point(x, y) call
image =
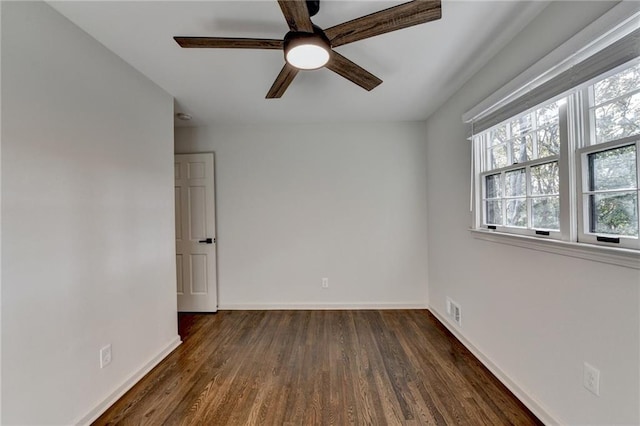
point(307, 47)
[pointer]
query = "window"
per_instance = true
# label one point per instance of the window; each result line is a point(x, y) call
point(614, 105)
point(609, 166)
point(611, 196)
point(567, 169)
point(520, 172)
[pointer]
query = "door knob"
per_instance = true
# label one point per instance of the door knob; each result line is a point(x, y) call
point(207, 241)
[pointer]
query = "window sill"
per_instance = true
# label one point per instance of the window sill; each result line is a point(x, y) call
point(615, 256)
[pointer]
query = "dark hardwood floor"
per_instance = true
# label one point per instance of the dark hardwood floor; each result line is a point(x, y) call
point(318, 368)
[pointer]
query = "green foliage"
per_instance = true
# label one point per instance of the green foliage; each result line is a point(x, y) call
point(615, 214)
point(617, 112)
point(617, 115)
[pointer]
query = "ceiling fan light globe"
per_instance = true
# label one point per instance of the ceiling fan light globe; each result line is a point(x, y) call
point(307, 56)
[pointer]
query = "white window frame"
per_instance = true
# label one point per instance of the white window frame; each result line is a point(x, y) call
point(481, 159)
point(575, 134)
point(588, 145)
point(583, 194)
point(576, 127)
point(528, 197)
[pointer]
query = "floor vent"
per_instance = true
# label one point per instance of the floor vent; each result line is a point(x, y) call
point(454, 312)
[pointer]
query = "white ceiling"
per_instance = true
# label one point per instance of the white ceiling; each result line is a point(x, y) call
point(420, 66)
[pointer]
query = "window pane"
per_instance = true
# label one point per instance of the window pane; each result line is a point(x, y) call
point(497, 157)
point(522, 149)
point(545, 179)
point(547, 114)
point(618, 119)
point(492, 186)
point(615, 213)
point(617, 85)
point(497, 135)
point(521, 125)
point(545, 212)
point(613, 169)
point(494, 213)
point(517, 212)
point(516, 183)
point(548, 141)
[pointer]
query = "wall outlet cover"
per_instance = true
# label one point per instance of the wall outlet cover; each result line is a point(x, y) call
point(105, 356)
point(591, 379)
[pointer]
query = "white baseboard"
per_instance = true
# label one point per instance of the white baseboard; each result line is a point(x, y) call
point(128, 384)
point(530, 402)
point(316, 306)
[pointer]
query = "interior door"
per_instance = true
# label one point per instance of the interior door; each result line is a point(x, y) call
point(195, 233)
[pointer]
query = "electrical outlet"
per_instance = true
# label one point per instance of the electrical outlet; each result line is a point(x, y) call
point(325, 283)
point(591, 379)
point(105, 356)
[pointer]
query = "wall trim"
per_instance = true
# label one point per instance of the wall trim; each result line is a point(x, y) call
point(317, 306)
point(531, 403)
point(134, 378)
point(628, 258)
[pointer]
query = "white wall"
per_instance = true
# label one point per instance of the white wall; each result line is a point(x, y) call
point(537, 316)
point(296, 203)
point(87, 219)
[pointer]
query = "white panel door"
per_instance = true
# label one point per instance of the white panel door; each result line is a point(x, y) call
point(195, 233)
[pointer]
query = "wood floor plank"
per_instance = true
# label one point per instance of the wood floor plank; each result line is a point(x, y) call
point(318, 368)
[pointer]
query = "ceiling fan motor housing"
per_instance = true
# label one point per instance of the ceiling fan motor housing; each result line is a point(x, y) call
point(295, 39)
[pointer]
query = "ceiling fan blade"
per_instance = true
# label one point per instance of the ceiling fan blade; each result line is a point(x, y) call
point(297, 15)
point(351, 71)
point(229, 42)
point(392, 19)
point(283, 80)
